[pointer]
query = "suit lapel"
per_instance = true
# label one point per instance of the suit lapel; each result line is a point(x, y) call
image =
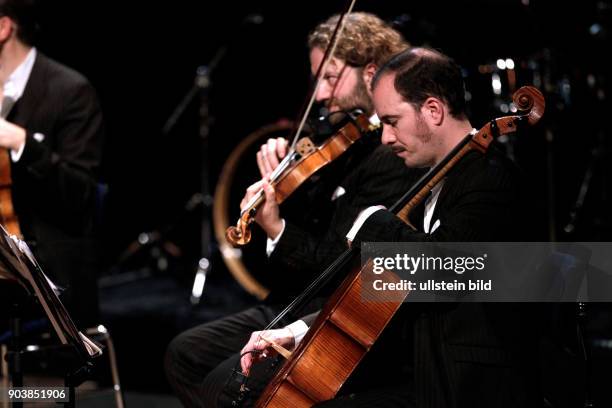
point(417, 216)
point(34, 92)
point(456, 183)
point(439, 203)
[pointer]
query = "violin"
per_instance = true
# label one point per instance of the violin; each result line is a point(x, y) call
point(304, 159)
point(347, 327)
point(297, 167)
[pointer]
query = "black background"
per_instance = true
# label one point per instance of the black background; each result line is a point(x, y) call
point(142, 58)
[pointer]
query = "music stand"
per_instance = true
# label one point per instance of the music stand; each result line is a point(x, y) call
point(17, 263)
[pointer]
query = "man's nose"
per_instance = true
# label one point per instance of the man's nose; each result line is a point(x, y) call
point(323, 92)
point(388, 137)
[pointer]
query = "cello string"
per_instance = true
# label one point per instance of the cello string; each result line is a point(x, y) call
point(508, 124)
point(319, 282)
point(347, 255)
point(335, 266)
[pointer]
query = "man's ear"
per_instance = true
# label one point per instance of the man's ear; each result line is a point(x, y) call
point(6, 28)
point(434, 110)
point(368, 73)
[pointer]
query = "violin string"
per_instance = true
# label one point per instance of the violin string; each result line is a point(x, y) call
point(286, 162)
point(328, 55)
point(273, 177)
point(333, 268)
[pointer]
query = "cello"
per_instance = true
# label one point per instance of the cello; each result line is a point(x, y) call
point(347, 327)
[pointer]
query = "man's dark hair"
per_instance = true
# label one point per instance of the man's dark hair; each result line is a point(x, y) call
point(422, 73)
point(23, 13)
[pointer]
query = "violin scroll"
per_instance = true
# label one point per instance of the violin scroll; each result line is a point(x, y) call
point(530, 102)
point(239, 235)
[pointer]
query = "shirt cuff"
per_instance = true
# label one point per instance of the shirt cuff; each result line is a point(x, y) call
point(298, 329)
point(361, 218)
point(271, 243)
point(16, 154)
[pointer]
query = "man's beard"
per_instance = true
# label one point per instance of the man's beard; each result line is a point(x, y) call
point(358, 99)
point(424, 133)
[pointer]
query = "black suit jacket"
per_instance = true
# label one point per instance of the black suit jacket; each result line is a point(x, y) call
point(480, 201)
point(55, 180)
point(469, 355)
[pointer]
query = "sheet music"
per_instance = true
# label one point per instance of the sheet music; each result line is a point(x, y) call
point(25, 249)
point(17, 262)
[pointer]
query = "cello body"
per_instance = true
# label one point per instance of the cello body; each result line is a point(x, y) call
point(342, 334)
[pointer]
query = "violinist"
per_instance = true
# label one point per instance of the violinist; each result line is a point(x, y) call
point(464, 354)
point(365, 44)
point(371, 175)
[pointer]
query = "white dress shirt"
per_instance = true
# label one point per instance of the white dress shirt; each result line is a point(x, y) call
point(15, 86)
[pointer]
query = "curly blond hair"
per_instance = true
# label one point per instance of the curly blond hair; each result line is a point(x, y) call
point(365, 39)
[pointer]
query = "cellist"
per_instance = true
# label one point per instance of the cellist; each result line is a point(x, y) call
point(372, 175)
point(464, 354)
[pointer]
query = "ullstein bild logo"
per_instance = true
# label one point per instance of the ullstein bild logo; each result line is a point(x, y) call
point(432, 285)
point(490, 271)
point(413, 264)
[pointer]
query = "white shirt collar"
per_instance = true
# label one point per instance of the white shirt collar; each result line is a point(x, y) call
point(430, 206)
point(17, 81)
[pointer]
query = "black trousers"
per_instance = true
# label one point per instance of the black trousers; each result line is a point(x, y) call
point(193, 354)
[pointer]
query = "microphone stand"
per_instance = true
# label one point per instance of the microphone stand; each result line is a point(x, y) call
point(201, 88)
point(203, 83)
